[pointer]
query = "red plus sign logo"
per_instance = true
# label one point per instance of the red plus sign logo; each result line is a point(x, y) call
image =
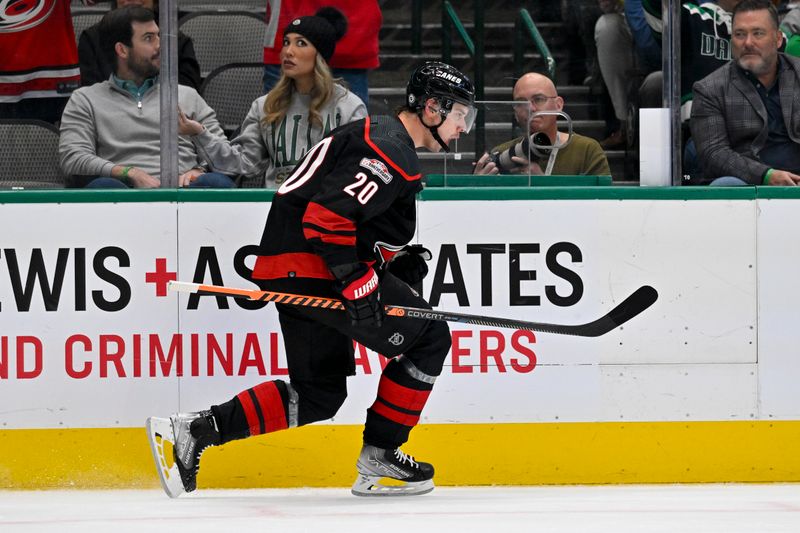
point(161, 276)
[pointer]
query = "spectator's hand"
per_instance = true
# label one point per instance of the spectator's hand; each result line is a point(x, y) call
point(484, 166)
point(528, 168)
point(188, 126)
point(783, 178)
point(143, 180)
point(189, 176)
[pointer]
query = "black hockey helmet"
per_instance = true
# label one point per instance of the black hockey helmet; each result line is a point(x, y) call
point(447, 85)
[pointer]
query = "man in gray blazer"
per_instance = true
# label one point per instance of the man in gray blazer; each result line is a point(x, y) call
point(746, 115)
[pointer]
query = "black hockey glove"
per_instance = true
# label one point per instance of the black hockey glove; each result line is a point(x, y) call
point(410, 264)
point(361, 294)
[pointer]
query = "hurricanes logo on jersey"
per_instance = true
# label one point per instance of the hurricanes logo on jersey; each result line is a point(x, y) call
point(396, 339)
point(24, 14)
point(377, 167)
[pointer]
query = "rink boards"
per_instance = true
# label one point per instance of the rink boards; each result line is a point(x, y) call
point(701, 387)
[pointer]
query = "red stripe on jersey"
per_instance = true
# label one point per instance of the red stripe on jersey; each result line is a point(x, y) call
point(300, 265)
point(384, 156)
point(343, 240)
point(269, 399)
point(394, 415)
point(326, 219)
point(250, 412)
point(49, 83)
point(403, 397)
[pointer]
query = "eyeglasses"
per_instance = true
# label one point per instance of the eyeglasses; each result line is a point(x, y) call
point(537, 99)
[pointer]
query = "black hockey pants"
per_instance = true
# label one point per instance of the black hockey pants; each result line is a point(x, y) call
point(319, 350)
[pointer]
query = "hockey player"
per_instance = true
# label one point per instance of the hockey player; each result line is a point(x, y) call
point(338, 227)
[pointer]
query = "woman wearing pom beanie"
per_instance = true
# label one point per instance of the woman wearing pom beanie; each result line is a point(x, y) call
point(302, 108)
point(355, 55)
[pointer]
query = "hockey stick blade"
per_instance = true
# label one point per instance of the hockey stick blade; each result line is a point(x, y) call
point(631, 306)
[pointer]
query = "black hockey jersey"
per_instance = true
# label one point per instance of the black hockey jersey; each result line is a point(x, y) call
point(354, 188)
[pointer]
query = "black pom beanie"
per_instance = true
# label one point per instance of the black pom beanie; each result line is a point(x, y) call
point(323, 29)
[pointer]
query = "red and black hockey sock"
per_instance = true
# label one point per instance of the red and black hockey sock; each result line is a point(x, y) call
point(402, 393)
point(264, 408)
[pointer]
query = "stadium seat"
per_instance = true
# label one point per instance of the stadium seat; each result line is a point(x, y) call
point(29, 155)
point(222, 37)
point(255, 6)
point(230, 89)
point(84, 19)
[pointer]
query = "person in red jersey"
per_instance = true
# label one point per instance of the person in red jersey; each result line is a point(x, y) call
point(38, 59)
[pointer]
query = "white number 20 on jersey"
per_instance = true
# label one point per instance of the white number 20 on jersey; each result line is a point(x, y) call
point(363, 189)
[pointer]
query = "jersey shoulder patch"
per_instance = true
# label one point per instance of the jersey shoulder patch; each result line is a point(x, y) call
point(389, 139)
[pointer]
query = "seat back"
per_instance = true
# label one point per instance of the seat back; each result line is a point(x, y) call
point(29, 155)
point(222, 37)
point(190, 6)
point(85, 19)
point(230, 90)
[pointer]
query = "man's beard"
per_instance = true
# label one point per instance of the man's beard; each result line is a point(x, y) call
point(142, 68)
point(758, 65)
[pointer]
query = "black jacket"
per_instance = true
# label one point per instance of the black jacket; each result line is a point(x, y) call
point(96, 66)
point(730, 123)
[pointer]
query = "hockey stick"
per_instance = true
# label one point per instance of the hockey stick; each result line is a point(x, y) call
point(631, 306)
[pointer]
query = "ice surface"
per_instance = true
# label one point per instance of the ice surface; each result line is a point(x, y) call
point(730, 508)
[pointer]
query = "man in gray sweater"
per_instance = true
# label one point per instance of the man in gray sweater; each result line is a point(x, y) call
point(110, 131)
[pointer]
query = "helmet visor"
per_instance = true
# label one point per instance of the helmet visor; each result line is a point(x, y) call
point(462, 115)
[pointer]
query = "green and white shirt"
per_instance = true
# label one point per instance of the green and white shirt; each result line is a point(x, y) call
point(273, 150)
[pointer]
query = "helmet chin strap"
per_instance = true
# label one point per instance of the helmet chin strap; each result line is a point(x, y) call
point(434, 131)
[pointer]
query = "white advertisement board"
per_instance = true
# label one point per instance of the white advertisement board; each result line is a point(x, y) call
point(113, 347)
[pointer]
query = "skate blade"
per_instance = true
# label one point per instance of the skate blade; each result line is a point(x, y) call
point(159, 431)
point(371, 486)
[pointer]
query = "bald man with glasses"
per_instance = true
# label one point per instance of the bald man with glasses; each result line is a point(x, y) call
point(576, 155)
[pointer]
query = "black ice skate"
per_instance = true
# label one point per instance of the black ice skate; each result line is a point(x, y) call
point(376, 463)
point(190, 434)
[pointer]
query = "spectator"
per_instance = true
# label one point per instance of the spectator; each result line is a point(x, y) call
point(304, 106)
point(647, 49)
point(705, 46)
point(616, 60)
point(790, 17)
point(355, 56)
point(38, 59)
point(790, 26)
point(97, 67)
point(742, 119)
point(110, 130)
point(580, 17)
point(582, 155)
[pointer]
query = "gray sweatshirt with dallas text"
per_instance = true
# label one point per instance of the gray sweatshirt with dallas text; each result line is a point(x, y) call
point(273, 150)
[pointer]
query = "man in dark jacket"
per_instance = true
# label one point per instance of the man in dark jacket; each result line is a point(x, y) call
point(96, 67)
point(742, 118)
